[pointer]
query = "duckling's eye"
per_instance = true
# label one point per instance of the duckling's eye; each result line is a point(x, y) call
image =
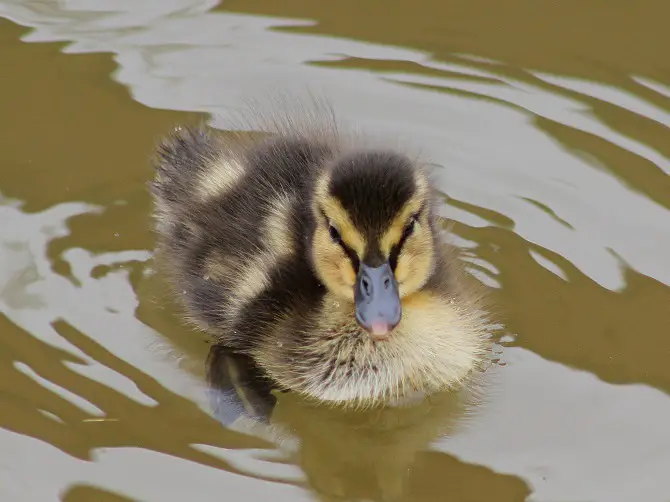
point(409, 229)
point(406, 233)
point(334, 234)
point(337, 239)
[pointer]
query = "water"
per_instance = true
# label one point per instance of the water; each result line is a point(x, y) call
point(550, 122)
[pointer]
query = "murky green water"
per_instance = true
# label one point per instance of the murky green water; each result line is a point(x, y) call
point(550, 120)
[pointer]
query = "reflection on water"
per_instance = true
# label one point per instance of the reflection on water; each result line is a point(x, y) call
point(238, 388)
point(552, 138)
point(377, 454)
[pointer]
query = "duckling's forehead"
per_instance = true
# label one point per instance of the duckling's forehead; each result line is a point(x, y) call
point(373, 187)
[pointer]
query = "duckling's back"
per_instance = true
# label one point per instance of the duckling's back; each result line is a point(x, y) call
point(234, 229)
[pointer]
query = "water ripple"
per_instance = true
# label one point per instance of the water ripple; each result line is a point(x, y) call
point(560, 192)
point(180, 58)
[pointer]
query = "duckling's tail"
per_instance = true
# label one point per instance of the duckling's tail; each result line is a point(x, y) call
point(181, 159)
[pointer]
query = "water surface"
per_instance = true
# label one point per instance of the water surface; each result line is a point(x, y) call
point(549, 124)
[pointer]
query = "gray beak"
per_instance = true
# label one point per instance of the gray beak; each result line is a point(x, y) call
point(378, 308)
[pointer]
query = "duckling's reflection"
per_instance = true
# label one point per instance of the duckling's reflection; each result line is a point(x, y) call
point(346, 455)
point(238, 388)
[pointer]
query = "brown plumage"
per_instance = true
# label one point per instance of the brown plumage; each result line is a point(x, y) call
point(319, 256)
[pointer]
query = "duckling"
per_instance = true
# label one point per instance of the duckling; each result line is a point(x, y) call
point(319, 256)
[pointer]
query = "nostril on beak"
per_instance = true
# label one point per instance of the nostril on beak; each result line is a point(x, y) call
point(367, 287)
point(387, 283)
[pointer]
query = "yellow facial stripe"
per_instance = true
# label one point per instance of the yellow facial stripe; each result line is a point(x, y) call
point(392, 236)
point(339, 217)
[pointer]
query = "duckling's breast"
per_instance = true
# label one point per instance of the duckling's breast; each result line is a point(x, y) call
point(434, 347)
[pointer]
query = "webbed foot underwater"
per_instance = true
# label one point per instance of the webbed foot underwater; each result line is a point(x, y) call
point(320, 257)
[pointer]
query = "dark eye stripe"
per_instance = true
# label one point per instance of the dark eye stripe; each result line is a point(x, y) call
point(393, 257)
point(353, 257)
point(323, 215)
point(406, 234)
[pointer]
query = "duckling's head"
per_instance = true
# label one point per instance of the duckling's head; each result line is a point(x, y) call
point(374, 240)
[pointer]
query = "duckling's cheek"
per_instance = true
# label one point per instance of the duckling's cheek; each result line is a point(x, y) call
point(402, 269)
point(348, 273)
point(334, 269)
point(343, 278)
point(414, 267)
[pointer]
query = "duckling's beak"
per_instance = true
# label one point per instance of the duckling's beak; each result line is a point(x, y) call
point(378, 308)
